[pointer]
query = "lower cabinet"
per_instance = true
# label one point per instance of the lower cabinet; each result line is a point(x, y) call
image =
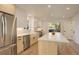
point(23, 42)
point(19, 44)
point(33, 39)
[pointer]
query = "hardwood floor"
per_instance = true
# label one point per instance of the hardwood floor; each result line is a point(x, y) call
point(63, 49)
point(68, 49)
point(33, 50)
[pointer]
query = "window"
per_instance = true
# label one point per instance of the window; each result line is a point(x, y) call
point(54, 27)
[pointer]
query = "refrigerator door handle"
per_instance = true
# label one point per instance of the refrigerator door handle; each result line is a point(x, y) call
point(3, 31)
point(3, 27)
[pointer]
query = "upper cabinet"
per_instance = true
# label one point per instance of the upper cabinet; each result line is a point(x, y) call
point(32, 22)
point(8, 8)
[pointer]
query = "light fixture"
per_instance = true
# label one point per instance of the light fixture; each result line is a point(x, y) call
point(29, 15)
point(49, 6)
point(52, 15)
point(67, 8)
point(63, 16)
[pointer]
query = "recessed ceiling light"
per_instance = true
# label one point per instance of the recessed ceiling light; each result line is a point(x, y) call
point(49, 6)
point(63, 16)
point(30, 15)
point(52, 15)
point(67, 8)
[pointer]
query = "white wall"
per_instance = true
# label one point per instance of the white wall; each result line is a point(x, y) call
point(45, 26)
point(21, 18)
point(67, 28)
point(71, 28)
point(76, 28)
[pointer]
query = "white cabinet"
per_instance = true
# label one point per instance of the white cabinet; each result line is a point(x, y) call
point(33, 23)
point(33, 39)
point(19, 44)
point(47, 47)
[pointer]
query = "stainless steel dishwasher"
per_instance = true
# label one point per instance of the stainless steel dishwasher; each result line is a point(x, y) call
point(26, 41)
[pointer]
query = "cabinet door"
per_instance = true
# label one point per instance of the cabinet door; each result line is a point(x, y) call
point(33, 39)
point(47, 47)
point(19, 44)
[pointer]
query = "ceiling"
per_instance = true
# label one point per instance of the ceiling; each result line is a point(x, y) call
point(57, 11)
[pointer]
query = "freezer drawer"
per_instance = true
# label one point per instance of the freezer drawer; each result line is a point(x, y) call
point(8, 50)
point(14, 50)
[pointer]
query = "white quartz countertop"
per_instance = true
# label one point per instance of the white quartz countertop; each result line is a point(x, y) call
point(27, 33)
point(58, 37)
point(23, 34)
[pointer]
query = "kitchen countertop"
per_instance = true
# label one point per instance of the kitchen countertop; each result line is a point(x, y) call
point(48, 44)
point(26, 33)
point(58, 37)
point(23, 34)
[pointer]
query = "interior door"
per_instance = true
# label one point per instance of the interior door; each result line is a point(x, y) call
point(9, 19)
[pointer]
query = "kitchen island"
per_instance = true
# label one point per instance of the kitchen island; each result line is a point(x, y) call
point(49, 43)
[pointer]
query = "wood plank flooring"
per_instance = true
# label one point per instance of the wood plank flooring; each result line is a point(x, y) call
point(63, 49)
point(68, 49)
point(33, 50)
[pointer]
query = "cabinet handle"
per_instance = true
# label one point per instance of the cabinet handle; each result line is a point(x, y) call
point(19, 39)
point(33, 37)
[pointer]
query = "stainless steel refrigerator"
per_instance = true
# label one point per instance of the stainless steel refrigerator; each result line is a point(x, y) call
point(7, 34)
